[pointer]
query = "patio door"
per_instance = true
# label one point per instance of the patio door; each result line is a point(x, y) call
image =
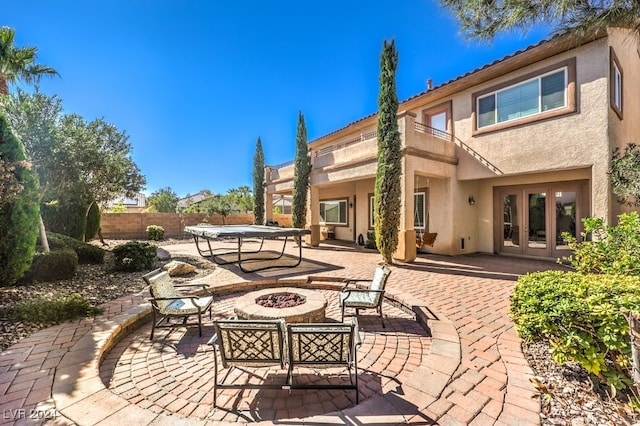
point(532, 220)
point(536, 224)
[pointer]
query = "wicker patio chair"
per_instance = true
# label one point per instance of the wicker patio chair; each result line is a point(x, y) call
point(369, 297)
point(167, 304)
point(247, 343)
point(323, 346)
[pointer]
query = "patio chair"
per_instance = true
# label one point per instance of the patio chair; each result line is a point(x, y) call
point(246, 343)
point(167, 304)
point(369, 297)
point(324, 345)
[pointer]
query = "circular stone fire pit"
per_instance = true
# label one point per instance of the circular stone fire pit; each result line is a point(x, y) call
point(311, 310)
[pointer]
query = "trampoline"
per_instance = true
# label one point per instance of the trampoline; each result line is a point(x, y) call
point(241, 232)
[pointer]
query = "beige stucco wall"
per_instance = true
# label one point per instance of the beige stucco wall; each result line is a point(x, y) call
point(547, 150)
point(626, 130)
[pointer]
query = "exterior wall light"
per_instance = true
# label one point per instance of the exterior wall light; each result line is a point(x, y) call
point(472, 200)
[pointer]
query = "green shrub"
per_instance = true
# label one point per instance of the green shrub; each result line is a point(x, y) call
point(371, 241)
point(155, 232)
point(53, 310)
point(87, 253)
point(19, 215)
point(93, 222)
point(134, 256)
point(67, 216)
point(582, 318)
point(58, 264)
point(611, 250)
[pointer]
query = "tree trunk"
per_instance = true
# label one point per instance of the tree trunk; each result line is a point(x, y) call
point(43, 237)
point(634, 331)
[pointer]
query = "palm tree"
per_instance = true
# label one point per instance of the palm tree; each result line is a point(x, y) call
point(18, 64)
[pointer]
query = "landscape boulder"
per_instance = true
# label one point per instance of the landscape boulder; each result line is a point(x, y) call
point(176, 268)
point(162, 254)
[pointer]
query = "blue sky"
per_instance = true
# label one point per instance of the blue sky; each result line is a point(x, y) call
point(195, 83)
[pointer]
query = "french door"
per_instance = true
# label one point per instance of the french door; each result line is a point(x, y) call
point(534, 220)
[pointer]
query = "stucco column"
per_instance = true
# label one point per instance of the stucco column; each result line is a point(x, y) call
point(313, 216)
point(406, 250)
point(268, 206)
point(268, 195)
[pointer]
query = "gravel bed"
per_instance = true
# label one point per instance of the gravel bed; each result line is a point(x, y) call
point(96, 283)
point(566, 391)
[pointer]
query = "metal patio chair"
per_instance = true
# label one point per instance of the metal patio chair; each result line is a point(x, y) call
point(324, 345)
point(365, 297)
point(167, 304)
point(247, 343)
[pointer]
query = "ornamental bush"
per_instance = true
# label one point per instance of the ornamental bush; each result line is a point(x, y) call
point(607, 249)
point(155, 232)
point(87, 253)
point(582, 317)
point(93, 222)
point(19, 215)
point(58, 264)
point(66, 216)
point(134, 256)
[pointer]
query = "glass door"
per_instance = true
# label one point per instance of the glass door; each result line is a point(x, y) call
point(536, 225)
point(533, 220)
point(566, 209)
point(510, 227)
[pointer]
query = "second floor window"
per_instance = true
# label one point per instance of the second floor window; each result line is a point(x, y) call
point(534, 96)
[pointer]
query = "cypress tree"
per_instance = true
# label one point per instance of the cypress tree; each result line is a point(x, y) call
point(258, 184)
point(389, 168)
point(19, 216)
point(302, 168)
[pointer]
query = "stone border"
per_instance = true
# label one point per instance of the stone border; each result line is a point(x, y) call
point(81, 396)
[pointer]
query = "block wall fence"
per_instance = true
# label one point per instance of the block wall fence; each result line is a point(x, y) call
point(125, 226)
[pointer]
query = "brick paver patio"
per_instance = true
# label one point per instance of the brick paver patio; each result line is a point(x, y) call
point(470, 370)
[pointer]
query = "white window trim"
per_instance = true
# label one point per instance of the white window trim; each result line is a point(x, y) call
point(346, 222)
point(539, 79)
point(617, 86)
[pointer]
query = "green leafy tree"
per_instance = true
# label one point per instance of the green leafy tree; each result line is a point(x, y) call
point(578, 18)
point(302, 168)
point(389, 169)
point(36, 119)
point(163, 201)
point(624, 173)
point(19, 63)
point(19, 214)
point(76, 162)
point(258, 184)
point(218, 204)
point(241, 199)
point(100, 155)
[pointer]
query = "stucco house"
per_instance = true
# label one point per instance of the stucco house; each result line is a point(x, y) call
point(503, 159)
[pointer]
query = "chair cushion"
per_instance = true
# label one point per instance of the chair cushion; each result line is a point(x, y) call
point(160, 285)
point(359, 298)
point(379, 278)
point(185, 306)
